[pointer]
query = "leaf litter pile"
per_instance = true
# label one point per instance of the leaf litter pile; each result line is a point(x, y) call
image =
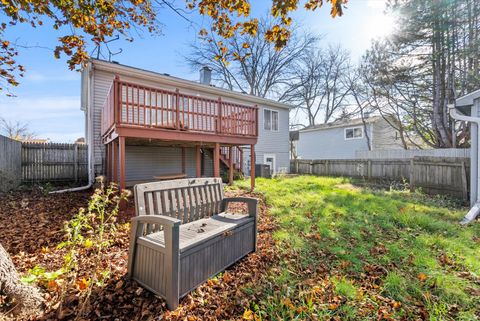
point(32, 227)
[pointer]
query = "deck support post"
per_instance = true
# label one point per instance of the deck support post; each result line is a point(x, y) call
point(216, 160)
point(198, 161)
point(108, 167)
point(111, 162)
point(230, 165)
point(241, 160)
point(183, 161)
point(115, 161)
point(121, 157)
point(252, 167)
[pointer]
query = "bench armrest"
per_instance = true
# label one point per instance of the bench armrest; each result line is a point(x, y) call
point(251, 202)
point(156, 219)
point(171, 235)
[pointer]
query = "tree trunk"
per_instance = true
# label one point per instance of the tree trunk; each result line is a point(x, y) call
point(27, 299)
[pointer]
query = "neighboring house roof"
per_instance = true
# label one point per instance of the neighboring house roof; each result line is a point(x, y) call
point(465, 103)
point(175, 81)
point(342, 123)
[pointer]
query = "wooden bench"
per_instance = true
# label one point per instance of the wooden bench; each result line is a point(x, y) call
point(182, 235)
point(170, 176)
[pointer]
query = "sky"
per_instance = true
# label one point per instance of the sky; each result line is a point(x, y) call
point(48, 97)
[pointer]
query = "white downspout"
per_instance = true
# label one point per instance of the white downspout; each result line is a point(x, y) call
point(474, 162)
point(89, 135)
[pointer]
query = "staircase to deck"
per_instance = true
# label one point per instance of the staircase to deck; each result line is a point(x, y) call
point(236, 157)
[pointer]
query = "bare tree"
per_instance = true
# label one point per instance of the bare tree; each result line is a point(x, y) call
point(256, 67)
point(361, 100)
point(16, 130)
point(319, 87)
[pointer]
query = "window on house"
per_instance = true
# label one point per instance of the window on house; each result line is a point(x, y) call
point(353, 133)
point(270, 120)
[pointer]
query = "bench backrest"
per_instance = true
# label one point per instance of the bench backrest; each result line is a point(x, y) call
point(187, 199)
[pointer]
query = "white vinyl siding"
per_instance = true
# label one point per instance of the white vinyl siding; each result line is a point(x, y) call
point(143, 162)
point(271, 142)
point(330, 143)
point(384, 136)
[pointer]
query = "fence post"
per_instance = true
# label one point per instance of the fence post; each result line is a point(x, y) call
point(296, 166)
point(327, 168)
point(464, 181)
point(412, 175)
point(310, 171)
point(369, 169)
point(75, 162)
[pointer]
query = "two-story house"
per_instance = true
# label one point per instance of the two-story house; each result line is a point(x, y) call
point(145, 126)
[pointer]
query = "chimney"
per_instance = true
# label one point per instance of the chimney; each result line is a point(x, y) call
point(205, 75)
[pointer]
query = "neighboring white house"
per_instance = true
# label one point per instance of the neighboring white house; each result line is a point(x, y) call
point(165, 125)
point(342, 139)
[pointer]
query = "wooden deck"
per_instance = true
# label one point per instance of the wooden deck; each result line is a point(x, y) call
point(135, 111)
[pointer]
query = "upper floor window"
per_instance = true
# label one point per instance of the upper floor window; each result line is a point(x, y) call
point(353, 133)
point(270, 119)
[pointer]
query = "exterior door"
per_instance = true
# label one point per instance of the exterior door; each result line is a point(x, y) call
point(269, 159)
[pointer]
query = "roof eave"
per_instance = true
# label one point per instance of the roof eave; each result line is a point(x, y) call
point(368, 121)
point(467, 100)
point(175, 81)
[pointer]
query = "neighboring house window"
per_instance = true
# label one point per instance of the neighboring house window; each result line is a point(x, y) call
point(270, 120)
point(353, 133)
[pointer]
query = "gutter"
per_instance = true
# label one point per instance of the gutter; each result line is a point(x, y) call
point(89, 135)
point(474, 164)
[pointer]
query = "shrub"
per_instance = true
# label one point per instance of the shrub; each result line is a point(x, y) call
point(92, 229)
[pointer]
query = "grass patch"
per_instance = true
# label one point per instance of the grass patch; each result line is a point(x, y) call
point(374, 252)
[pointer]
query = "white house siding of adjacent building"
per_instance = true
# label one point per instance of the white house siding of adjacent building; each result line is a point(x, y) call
point(341, 140)
point(144, 161)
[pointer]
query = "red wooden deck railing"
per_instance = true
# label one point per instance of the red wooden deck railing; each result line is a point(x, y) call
point(108, 111)
point(137, 105)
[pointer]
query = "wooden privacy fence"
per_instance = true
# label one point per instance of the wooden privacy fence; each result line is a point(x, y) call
point(435, 175)
point(53, 162)
point(410, 153)
point(10, 164)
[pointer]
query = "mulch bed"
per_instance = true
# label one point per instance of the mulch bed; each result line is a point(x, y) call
point(31, 229)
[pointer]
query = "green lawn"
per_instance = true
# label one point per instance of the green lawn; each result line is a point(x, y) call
point(350, 253)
